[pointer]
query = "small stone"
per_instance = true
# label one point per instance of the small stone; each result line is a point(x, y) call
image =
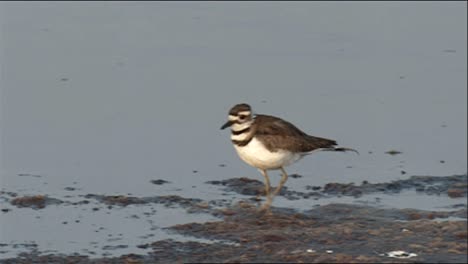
point(414, 216)
point(203, 205)
point(228, 212)
point(461, 235)
point(455, 193)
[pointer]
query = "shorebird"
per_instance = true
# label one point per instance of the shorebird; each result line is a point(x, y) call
point(271, 143)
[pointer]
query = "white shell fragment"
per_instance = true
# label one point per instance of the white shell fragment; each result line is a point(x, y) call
point(399, 254)
point(310, 251)
point(329, 251)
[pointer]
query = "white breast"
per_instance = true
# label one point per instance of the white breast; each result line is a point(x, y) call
point(257, 155)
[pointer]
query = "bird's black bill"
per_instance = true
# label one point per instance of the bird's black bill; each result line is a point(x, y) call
point(228, 124)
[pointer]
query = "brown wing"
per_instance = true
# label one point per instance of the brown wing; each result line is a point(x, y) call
point(277, 133)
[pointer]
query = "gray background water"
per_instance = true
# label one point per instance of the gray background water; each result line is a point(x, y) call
point(106, 96)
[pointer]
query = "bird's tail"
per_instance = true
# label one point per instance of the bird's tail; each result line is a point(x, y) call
point(340, 149)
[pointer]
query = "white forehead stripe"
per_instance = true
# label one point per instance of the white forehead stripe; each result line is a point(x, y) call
point(241, 113)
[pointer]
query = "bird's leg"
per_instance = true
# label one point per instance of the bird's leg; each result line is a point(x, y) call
point(269, 198)
point(267, 183)
point(283, 180)
point(267, 204)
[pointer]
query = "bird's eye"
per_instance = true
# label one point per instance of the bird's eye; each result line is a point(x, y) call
point(242, 117)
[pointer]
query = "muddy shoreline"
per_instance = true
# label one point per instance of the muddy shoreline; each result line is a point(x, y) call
point(335, 232)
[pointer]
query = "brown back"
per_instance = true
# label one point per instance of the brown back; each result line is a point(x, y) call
point(276, 133)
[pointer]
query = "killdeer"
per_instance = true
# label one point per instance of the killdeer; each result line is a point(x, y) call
point(271, 143)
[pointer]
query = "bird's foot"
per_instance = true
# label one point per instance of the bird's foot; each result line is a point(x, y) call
point(265, 208)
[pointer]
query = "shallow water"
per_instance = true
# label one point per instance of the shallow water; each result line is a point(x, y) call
point(105, 97)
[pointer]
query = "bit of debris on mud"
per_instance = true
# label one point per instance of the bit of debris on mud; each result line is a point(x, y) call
point(338, 233)
point(393, 152)
point(159, 182)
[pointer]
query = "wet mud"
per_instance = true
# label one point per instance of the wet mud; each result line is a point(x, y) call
point(455, 186)
point(331, 233)
point(35, 201)
point(338, 233)
point(123, 200)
